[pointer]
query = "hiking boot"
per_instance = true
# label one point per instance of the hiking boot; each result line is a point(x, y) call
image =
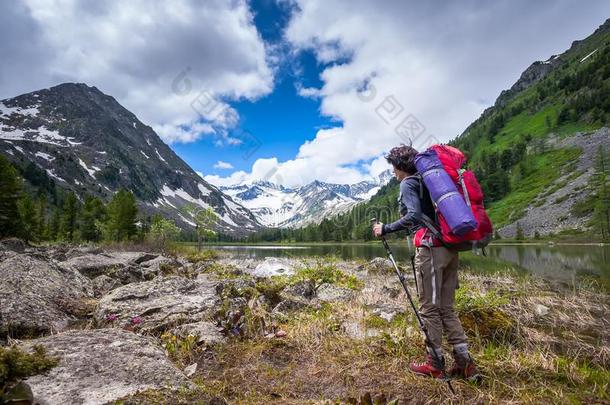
point(464, 367)
point(429, 368)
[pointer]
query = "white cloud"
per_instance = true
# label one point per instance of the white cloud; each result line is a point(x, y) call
point(223, 165)
point(429, 60)
point(175, 64)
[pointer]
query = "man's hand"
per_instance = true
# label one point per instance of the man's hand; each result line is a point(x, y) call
point(378, 229)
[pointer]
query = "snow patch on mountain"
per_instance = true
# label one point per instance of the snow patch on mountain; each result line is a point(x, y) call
point(274, 205)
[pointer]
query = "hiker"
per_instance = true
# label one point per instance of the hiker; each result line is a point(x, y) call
point(436, 268)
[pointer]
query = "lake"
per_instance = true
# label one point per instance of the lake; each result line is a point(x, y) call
point(567, 263)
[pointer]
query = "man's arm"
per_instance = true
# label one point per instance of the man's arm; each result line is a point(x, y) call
point(410, 198)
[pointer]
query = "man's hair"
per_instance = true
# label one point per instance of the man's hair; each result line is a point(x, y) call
point(403, 158)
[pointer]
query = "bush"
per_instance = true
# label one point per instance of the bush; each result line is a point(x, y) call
point(481, 315)
point(16, 364)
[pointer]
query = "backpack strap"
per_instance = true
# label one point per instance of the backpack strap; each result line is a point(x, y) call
point(463, 184)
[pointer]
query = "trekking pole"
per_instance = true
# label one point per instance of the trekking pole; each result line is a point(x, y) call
point(422, 326)
point(412, 257)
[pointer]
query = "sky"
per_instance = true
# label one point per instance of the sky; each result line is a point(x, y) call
point(289, 91)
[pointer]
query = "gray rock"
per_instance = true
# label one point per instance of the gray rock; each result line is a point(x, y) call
point(13, 245)
point(387, 311)
point(380, 264)
point(36, 296)
point(100, 366)
point(102, 284)
point(541, 310)
point(355, 330)
point(92, 265)
point(273, 266)
point(206, 332)
point(190, 370)
point(153, 267)
point(330, 293)
point(161, 303)
point(302, 288)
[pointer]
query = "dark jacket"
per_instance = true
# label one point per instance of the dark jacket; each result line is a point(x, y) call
point(413, 201)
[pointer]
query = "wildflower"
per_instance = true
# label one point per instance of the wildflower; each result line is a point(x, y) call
point(111, 317)
point(136, 320)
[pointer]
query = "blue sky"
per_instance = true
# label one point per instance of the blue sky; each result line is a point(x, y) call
point(282, 120)
point(325, 87)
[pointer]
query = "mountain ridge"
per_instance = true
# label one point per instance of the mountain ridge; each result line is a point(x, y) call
point(86, 142)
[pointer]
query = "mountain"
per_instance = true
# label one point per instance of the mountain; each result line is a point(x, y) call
point(535, 150)
point(77, 138)
point(540, 153)
point(279, 207)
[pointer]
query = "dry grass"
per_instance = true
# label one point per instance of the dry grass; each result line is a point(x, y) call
point(559, 357)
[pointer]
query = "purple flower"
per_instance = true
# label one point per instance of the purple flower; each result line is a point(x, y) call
point(136, 320)
point(111, 317)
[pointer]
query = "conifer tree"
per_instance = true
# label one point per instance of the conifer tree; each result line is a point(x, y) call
point(10, 193)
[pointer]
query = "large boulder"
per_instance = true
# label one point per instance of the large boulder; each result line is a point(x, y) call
point(95, 264)
point(101, 366)
point(37, 296)
point(206, 332)
point(159, 304)
point(273, 266)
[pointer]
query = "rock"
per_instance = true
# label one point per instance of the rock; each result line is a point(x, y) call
point(303, 289)
point(13, 245)
point(154, 267)
point(82, 250)
point(206, 332)
point(390, 291)
point(291, 302)
point(354, 330)
point(92, 265)
point(190, 370)
point(161, 303)
point(330, 293)
point(273, 266)
point(100, 366)
point(102, 284)
point(541, 310)
point(386, 311)
point(381, 265)
point(38, 297)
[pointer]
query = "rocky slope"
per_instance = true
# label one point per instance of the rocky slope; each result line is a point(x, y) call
point(85, 141)
point(169, 330)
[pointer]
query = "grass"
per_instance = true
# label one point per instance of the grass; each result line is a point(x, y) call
point(560, 357)
point(16, 364)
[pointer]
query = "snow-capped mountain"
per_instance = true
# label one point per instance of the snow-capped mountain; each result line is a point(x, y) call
point(77, 138)
point(276, 206)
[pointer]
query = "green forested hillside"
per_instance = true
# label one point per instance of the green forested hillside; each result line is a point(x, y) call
point(512, 147)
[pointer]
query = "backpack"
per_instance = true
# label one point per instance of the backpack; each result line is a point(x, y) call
point(462, 222)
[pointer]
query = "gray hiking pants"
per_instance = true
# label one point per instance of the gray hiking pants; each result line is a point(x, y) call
point(437, 279)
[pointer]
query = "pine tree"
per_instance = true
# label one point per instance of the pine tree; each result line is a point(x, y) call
point(122, 212)
point(55, 225)
point(92, 214)
point(10, 193)
point(601, 209)
point(42, 229)
point(29, 219)
point(69, 217)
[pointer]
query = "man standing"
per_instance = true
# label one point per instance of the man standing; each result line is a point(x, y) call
point(436, 269)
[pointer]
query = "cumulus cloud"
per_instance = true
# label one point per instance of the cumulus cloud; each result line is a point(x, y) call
point(400, 71)
point(177, 65)
point(223, 165)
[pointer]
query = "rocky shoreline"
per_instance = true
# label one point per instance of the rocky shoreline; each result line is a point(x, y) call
point(122, 323)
